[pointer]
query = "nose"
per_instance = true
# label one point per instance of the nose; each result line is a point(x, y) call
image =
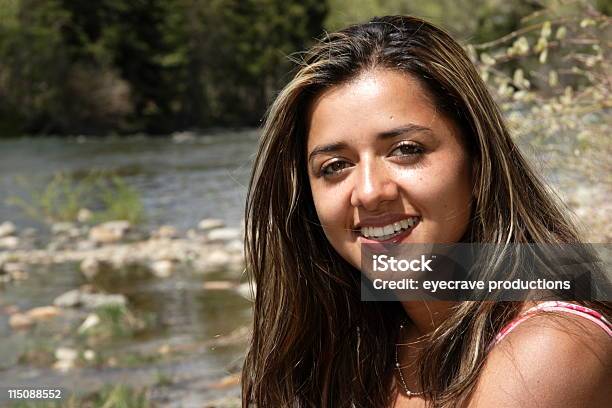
point(374, 185)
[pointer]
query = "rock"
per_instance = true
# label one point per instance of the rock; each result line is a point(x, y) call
point(164, 349)
point(13, 266)
point(235, 245)
point(7, 228)
point(74, 232)
point(43, 313)
point(165, 232)
point(9, 242)
point(20, 321)
point(63, 365)
point(109, 232)
point(86, 245)
point(208, 224)
point(216, 260)
point(89, 355)
point(162, 269)
point(218, 257)
point(84, 215)
point(219, 285)
point(72, 298)
point(89, 322)
point(193, 235)
point(224, 234)
point(76, 297)
point(65, 353)
point(62, 228)
point(90, 267)
point(65, 358)
point(225, 382)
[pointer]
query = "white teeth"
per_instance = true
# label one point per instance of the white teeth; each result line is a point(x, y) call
point(389, 230)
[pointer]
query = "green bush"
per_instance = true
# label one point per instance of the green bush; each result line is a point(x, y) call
point(107, 195)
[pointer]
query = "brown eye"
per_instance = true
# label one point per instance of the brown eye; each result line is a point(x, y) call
point(334, 168)
point(409, 149)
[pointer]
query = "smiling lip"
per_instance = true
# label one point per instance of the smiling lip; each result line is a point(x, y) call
point(382, 220)
point(393, 240)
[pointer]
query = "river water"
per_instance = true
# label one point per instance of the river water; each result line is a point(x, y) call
point(181, 180)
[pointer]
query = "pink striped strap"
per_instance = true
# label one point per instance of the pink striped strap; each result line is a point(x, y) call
point(556, 306)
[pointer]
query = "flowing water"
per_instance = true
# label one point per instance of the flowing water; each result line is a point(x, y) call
point(180, 181)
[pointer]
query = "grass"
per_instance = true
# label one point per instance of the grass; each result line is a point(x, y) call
point(116, 321)
point(107, 195)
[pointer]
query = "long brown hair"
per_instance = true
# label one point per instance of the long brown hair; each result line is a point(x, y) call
point(314, 342)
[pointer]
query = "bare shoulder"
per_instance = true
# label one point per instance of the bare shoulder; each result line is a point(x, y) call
point(550, 360)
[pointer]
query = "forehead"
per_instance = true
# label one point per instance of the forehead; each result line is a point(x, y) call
point(369, 104)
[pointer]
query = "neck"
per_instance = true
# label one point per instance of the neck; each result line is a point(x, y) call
point(427, 316)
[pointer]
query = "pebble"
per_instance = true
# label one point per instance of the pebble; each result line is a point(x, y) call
point(20, 321)
point(224, 234)
point(9, 242)
point(76, 298)
point(89, 355)
point(84, 215)
point(43, 313)
point(162, 268)
point(90, 267)
point(90, 321)
point(219, 285)
point(7, 228)
point(208, 224)
point(62, 228)
point(109, 232)
point(65, 358)
point(165, 232)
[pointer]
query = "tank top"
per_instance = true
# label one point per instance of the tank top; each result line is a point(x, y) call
point(556, 306)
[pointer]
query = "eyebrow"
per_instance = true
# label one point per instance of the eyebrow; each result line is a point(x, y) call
point(387, 134)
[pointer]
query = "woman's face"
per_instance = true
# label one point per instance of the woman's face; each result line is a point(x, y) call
point(385, 166)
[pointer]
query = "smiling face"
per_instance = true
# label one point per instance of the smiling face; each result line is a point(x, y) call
point(385, 166)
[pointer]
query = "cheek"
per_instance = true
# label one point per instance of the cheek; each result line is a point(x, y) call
point(330, 209)
point(443, 192)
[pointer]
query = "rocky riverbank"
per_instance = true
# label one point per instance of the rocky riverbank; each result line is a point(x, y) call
point(82, 334)
point(117, 244)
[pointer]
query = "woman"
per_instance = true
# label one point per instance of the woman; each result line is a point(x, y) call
point(388, 123)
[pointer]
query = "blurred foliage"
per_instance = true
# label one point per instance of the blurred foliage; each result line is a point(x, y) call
point(158, 66)
point(76, 66)
point(116, 321)
point(105, 194)
point(469, 20)
point(552, 78)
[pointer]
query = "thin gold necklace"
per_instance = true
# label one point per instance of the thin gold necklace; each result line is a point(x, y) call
point(409, 393)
